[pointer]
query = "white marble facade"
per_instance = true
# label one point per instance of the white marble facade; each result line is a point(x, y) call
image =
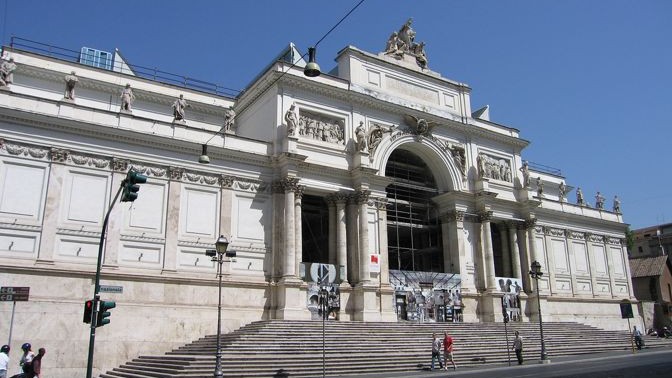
point(61, 163)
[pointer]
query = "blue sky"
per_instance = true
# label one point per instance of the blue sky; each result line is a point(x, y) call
point(587, 82)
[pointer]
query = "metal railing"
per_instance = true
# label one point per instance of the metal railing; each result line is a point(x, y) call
point(153, 74)
point(544, 168)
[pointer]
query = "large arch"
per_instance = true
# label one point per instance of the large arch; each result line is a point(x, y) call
point(438, 159)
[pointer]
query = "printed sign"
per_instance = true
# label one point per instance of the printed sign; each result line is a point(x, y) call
point(14, 293)
point(374, 263)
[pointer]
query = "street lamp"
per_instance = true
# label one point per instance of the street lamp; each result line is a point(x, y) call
point(660, 244)
point(536, 273)
point(218, 255)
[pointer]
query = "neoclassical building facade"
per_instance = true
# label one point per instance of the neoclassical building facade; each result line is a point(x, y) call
point(380, 171)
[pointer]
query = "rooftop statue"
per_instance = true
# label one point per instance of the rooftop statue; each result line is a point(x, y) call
point(403, 42)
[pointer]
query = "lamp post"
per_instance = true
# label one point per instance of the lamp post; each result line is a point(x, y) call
point(324, 307)
point(536, 273)
point(660, 244)
point(218, 255)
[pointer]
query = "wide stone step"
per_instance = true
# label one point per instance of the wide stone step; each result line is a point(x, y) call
point(273, 348)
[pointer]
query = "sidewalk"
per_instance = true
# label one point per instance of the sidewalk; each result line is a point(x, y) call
point(530, 362)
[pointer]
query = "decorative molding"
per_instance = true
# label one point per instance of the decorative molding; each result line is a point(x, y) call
point(75, 232)
point(20, 149)
point(552, 231)
point(614, 241)
point(59, 155)
point(577, 235)
point(201, 178)
point(87, 160)
point(21, 227)
point(120, 165)
point(175, 173)
point(595, 238)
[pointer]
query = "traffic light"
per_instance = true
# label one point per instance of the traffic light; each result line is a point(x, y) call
point(88, 311)
point(131, 187)
point(103, 314)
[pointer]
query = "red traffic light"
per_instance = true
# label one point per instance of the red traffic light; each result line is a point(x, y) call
point(88, 311)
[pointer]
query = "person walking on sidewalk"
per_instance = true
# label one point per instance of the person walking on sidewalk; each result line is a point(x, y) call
point(448, 351)
point(436, 350)
point(518, 347)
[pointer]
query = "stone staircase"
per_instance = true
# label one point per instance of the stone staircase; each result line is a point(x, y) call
point(277, 348)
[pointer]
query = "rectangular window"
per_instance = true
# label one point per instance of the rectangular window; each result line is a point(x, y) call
point(96, 58)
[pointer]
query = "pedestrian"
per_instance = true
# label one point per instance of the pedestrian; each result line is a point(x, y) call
point(436, 351)
point(448, 351)
point(4, 361)
point(637, 334)
point(518, 347)
point(37, 362)
point(26, 361)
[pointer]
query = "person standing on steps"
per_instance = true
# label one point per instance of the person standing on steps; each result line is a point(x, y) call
point(518, 347)
point(448, 351)
point(436, 351)
point(637, 334)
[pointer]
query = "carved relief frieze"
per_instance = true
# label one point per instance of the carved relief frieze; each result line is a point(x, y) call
point(539, 229)
point(321, 127)
point(494, 167)
point(120, 165)
point(552, 231)
point(59, 155)
point(175, 173)
point(596, 238)
point(614, 241)
point(201, 178)
point(17, 149)
point(578, 235)
point(90, 161)
point(150, 171)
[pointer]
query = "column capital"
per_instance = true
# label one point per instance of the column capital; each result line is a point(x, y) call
point(226, 181)
point(530, 223)
point(485, 216)
point(361, 197)
point(452, 216)
point(380, 203)
point(175, 173)
point(298, 191)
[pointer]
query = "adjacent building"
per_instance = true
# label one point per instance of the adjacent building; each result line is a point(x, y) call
point(377, 179)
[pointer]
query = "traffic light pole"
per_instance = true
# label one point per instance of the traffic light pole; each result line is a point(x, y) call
point(96, 295)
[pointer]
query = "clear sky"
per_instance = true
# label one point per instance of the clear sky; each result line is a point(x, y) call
point(586, 82)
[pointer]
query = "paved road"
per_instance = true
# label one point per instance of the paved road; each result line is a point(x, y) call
point(647, 363)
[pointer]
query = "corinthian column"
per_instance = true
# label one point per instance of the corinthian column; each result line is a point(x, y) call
point(362, 202)
point(341, 238)
point(289, 185)
point(298, 235)
point(488, 254)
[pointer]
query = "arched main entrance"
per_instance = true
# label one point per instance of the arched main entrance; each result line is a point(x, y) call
point(413, 228)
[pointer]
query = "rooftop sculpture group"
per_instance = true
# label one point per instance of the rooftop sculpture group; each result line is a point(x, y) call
point(403, 42)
